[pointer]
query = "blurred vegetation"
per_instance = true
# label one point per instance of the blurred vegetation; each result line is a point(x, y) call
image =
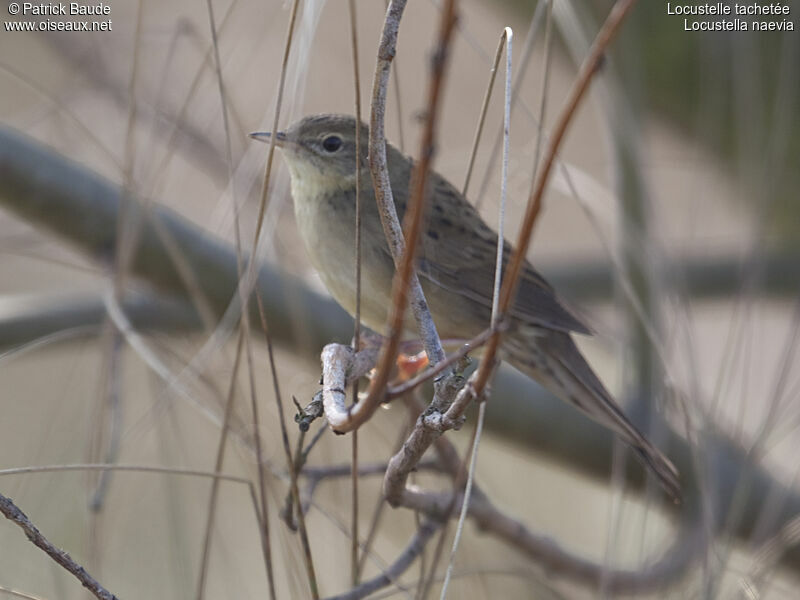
point(735, 92)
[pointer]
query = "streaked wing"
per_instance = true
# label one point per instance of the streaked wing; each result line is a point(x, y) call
point(459, 252)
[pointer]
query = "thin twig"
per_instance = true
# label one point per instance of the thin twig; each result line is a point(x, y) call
point(383, 194)
point(110, 407)
point(212, 500)
point(297, 465)
point(380, 506)
point(548, 55)
point(244, 323)
point(295, 490)
point(383, 191)
point(357, 316)
point(508, 35)
point(123, 467)
point(397, 568)
point(139, 469)
point(15, 515)
point(556, 561)
point(466, 499)
point(487, 96)
point(458, 467)
point(401, 140)
point(128, 227)
point(404, 250)
point(18, 594)
point(354, 501)
point(260, 468)
point(317, 474)
point(522, 70)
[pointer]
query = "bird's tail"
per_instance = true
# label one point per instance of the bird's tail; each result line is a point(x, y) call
point(555, 361)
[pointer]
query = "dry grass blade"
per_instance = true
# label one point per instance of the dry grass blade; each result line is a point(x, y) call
point(17, 594)
point(295, 490)
point(214, 494)
point(508, 37)
point(487, 96)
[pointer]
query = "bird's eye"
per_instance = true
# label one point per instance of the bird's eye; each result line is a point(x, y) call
point(332, 143)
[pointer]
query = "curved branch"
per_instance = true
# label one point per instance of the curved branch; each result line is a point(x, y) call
point(397, 568)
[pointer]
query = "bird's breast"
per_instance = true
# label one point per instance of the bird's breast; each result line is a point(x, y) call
point(326, 223)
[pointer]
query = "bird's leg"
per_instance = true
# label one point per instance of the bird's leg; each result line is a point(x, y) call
point(408, 365)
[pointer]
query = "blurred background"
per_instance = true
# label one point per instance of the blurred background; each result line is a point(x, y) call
point(671, 222)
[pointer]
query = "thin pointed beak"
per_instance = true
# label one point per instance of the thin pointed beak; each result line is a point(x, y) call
point(264, 136)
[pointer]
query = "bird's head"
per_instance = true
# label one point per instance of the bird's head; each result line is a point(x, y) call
point(321, 149)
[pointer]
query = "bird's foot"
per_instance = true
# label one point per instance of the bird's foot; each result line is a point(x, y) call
point(409, 365)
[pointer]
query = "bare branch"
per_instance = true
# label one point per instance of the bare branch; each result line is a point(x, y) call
point(14, 514)
point(556, 561)
point(340, 366)
point(397, 568)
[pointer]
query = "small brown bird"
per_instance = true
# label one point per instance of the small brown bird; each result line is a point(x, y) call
point(456, 267)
